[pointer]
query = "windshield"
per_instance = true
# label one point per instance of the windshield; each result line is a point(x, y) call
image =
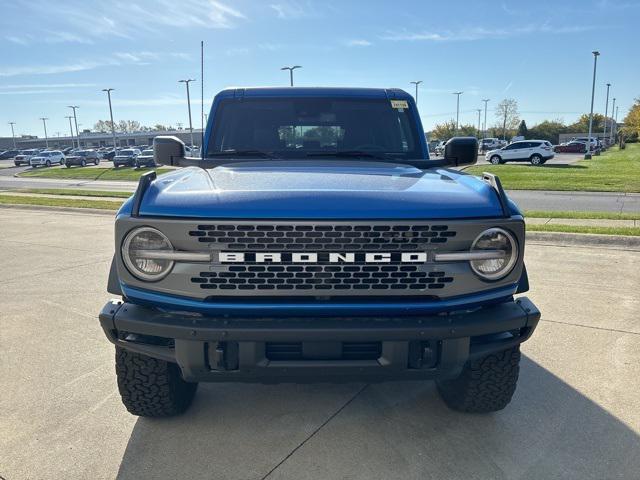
point(147, 152)
point(301, 127)
point(125, 153)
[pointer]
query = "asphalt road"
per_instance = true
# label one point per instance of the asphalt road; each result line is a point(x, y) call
point(575, 415)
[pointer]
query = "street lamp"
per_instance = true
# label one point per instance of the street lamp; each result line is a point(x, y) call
point(70, 128)
point(46, 138)
point(587, 154)
point(291, 69)
point(416, 83)
point(606, 112)
point(75, 119)
point(13, 135)
point(479, 112)
point(484, 130)
point(457, 108)
point(113, 127)
point(186, 82)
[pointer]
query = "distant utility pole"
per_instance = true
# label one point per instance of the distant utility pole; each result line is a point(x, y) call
point(113, 127)
point(479, 112)
point(484, 130)
point(606, 112)
point(587, 155)
point(75, 119)
point(13, 135)
point(416, 83)
point(46, 138)
point(613, 109)
point(186, 82)
point(291, 69)
point(457, 109)
point(70, 128)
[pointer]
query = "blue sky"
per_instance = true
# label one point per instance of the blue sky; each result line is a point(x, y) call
point(59, 53)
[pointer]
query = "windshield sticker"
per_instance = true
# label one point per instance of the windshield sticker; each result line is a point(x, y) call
point(399, 104)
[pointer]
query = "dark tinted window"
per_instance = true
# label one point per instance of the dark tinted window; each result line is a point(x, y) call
point(534, 144)
point(296, 127)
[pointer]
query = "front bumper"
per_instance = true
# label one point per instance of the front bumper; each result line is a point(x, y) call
point(313, 349)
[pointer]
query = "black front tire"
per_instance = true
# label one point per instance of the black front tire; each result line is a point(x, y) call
point(485, 384)
point(150, 387)
point(495, 160)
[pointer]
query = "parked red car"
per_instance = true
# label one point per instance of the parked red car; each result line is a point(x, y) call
point(570, 147)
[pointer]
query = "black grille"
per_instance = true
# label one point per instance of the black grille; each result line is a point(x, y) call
point(323, 277)
point(274, 237)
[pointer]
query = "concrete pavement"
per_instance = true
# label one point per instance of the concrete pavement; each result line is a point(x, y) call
point(576, 413)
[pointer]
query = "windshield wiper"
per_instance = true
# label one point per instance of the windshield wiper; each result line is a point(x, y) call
point(232, 152)
point(349, 154)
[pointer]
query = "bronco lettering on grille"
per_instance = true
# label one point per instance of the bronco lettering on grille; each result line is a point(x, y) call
point(321, 257)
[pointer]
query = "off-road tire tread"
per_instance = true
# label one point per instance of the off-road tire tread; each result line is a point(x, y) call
point(485, 384)
point(150, 387)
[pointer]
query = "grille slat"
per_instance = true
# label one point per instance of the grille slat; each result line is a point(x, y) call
point(323, 237)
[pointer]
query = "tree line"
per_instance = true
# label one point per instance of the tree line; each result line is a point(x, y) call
point(508, 124)
point(127, 126)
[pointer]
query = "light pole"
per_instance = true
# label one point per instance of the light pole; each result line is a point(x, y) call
point(479, 112)
point(613, 109)
point(587, 154)
point(186, 82)
point(46, 138)
point(416, 83)
point(484, 129)
point(113, 127)
point(75, 119)
point(291, 69)
point(457, 109)
point(13, 135)
point(606, 112)
point(70, 128)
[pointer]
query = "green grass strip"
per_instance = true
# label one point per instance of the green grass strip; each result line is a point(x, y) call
point(58, 202)
point(635, 232)
point(613, 171)
point(91, 173)
point(581, 215)
point(74, 192)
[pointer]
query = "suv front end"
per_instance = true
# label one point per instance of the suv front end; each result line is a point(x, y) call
point(291, 271)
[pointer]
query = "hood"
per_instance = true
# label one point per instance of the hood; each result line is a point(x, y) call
point(269, 189)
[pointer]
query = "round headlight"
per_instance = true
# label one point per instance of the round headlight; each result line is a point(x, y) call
point(497, 240)
point(141, 252)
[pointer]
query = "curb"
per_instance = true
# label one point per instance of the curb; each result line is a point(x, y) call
point(45, 208)
point(584, 239)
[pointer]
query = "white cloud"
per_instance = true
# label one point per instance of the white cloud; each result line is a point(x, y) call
point(358, 43)
point(290, 9)
point(233, 52)
point(46, 85)
point(78, 21)
point(118, 58)
point(481, 33)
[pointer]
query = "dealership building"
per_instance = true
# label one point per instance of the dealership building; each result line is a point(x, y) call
point(89, 139)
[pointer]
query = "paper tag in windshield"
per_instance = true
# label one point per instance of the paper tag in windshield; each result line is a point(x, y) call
point(400, 104)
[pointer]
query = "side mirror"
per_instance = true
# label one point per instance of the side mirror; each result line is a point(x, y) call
point(461, 151)
point(168, 150)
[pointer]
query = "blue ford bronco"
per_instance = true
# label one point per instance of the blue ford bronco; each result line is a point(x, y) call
point(315, 240)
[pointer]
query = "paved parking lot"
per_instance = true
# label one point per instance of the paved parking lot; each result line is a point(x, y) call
point(576, 413)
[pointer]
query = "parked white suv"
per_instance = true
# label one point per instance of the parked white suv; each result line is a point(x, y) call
point(47, 158)
point(535, 151)
point(24, 156)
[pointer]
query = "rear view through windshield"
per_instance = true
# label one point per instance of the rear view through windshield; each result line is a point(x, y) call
point(301, 127)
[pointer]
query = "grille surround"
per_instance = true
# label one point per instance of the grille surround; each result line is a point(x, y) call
point(178, 282)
